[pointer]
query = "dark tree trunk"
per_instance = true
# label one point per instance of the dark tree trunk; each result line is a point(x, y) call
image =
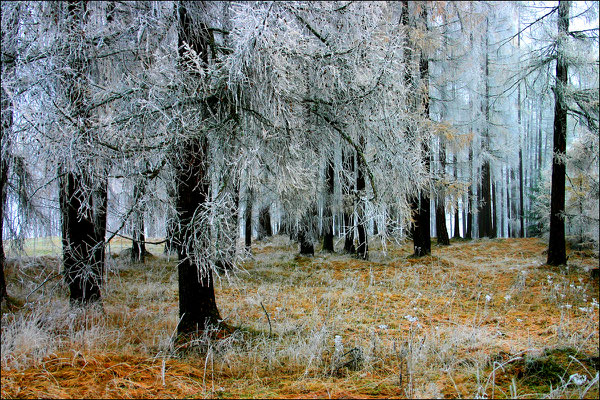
point(485, 207)
point(557, 254)
point(170, 223)
point(456, 211)
point(501, 195)
point(264, 223)
point(138, 246)
point(3, 178)
point(521, 210)
point(327, 210)
point(83, 197)
point(170, 245)
point(440, 226)
point(197, 306)
point(348, 165)
point(83, 235)
point(362, 250)
point(306, 245)
point(494, 216)
point(469, 231)
point(248, 220)
point(485, 203)
point(7, 120)
point(440, 208)
point(513, 205)
point(456, 222)
point(421, 230)
point(519, 121)
point(349, 235)
point(539, 138)
point(419, 204)
point(307, 231)
point(422, 212)
point(464, 217)
point(508, 202)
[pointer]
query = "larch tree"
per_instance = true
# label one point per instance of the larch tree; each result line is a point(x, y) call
point(557, 254)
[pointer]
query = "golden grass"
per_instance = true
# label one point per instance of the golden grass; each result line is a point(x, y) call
point(437, 326)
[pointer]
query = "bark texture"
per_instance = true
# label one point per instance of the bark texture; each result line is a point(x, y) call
point(557, 254)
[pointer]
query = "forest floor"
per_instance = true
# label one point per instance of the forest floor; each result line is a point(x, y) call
point(483, 318)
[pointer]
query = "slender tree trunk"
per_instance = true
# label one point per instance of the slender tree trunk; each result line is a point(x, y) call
point(521, 209)
point(494, 209)
point(170, 243)
point(469, 230)
point(440, 209)
point(508, 202)
point(7, 121)
point(485, 209)
point(327, 210)
point(464, 217)
point(485, 205)
point(539, 138)
point(421, 206)
point(349, 206)
point(456, 210)
point(362, 250)
point(557, 254)
point(501, 204)
point(248, 220)
point(3, 178)
point(138, 246)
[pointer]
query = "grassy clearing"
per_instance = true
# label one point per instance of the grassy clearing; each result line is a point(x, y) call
point(482, 318)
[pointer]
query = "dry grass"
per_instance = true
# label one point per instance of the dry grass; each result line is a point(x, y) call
point(475, 319)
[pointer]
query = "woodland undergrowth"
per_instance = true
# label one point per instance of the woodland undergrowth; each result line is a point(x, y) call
point(484, 318)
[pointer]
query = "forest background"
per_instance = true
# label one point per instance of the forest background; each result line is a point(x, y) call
point(192, 129)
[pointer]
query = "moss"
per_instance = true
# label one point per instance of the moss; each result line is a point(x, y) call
point(537, 374)
point(549, 369)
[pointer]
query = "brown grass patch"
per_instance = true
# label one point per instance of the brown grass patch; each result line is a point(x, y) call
point(424, 327)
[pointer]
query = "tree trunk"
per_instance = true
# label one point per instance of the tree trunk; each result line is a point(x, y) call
point(348, 165)
point(521, 210)
point(469, 231)
point(485, 209)
point(138, 246)
point(7, 121)
point(420, 205)
point(485, 204)
point(440, 208)
point(494, 209)
point(3, 179)
point(248, 220)
point(362, 250)
point(501, 203)
point(83, 197)
point(327, 210)
point(456, 210)
point(306, 245)
point(264, 223)
point(83, 235)
point(557, 254)
point(508, 203)
point(197, 306)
